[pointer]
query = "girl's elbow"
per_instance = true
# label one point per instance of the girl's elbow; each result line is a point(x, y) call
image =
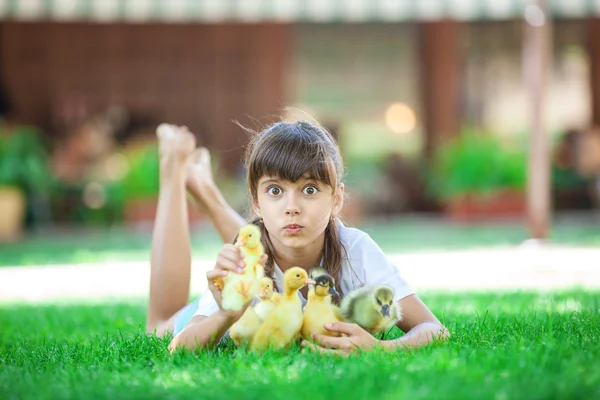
point(175, 343)
point(180, 342)
point(442, 333)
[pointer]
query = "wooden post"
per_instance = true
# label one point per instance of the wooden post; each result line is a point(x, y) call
point(439, 80)
point(536, 60)
point(593, 49)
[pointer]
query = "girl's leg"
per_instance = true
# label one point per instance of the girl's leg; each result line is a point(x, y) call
point(171, 250)
point(209, 199)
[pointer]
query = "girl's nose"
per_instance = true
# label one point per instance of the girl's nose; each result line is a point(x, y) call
point(292, 207)
point(292, 211)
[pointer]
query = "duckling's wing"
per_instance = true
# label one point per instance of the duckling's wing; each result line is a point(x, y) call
point(351, 301)
point(337, 312)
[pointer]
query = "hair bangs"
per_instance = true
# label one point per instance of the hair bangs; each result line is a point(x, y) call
point(292, 163)
point(291, 154)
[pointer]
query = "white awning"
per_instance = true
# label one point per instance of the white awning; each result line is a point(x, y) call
point(214, 11)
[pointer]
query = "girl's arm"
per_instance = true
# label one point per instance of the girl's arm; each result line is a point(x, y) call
point(203, 332)
point(419, 323)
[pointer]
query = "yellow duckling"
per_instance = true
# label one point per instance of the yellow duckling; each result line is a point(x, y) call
point(269, 298)
point(283, 324)
point(239, 289)
point(243, 330)
point(319, 310)
point(373, 308)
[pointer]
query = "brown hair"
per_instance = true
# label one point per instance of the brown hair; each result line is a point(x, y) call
point(289, 151)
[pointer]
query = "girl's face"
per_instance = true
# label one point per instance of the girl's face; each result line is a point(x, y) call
point(296, 213)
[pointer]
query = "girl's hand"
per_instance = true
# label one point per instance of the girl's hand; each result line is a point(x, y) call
point(357, 339)
point(229, 261)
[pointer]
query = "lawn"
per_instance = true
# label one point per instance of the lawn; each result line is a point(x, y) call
point(394, 235)
point(503, 346)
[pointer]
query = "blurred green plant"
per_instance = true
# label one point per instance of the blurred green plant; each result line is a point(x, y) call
point(476, 163)
point(24, 161)
point(142, 178)
point(140, 183)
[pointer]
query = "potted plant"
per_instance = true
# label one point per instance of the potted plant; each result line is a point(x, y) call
point(24, 176)
point(140, 186)
point(477, 176)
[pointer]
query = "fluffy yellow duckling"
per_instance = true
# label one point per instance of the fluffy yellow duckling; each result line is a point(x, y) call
point(319, 310)
point(243, 330)
point(283, 324)
point(269, 298)
point(373, 308)
point(239, 289)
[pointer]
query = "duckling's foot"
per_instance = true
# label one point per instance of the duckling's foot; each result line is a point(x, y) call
point(243, 288)
point(219, 283)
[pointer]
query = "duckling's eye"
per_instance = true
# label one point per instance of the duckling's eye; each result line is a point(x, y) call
point(378, 301)
point(297, 275)
point(390, 302)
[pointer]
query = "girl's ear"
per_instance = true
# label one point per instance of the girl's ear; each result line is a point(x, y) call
point(338, 200)
point(256, 208)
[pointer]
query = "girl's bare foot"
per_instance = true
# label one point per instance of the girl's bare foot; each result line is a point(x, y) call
point(199, 176)
point(174, 143)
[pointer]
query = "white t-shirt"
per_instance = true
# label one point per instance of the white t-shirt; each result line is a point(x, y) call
point(366, 264)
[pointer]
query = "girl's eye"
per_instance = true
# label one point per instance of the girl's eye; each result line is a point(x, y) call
point(274, 191)
point(310, 190)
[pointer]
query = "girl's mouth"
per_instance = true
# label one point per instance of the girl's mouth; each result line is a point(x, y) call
point(293, 228)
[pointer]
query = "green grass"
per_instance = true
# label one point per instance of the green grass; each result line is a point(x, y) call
point(394, 236)
point(503, 346)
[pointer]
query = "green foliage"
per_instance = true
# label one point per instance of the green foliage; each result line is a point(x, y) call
point(142, 179)
point(476, 162)
point(23, 161)
point(500, 344)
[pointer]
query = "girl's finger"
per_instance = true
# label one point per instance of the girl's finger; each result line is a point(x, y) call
point(228, 266)
point(231, 250)
point(229, 247)
point(313, 348)
point(215, 273)
point(234, 257)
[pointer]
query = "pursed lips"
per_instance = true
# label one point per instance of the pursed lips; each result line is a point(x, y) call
point(293, 226)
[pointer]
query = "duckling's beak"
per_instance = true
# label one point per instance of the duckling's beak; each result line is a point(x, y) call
point(385, 310)
point(309, 282)
point(241, 241)
point(333, 291)
point(262, 294)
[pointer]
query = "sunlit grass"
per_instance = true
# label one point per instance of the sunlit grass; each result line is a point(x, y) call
point(393, 236)
point(511, 345)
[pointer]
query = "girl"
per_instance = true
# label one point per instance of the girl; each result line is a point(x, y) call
point(294, 176)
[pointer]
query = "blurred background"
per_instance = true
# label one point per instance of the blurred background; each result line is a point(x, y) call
point(427, 99)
